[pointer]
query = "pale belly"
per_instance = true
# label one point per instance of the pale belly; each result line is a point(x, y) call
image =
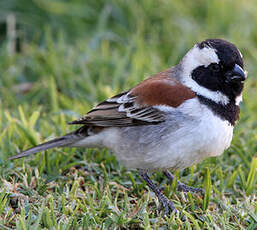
point(186, 137)
point(175, 144)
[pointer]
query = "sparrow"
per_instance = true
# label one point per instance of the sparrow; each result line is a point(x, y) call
point(170, 121)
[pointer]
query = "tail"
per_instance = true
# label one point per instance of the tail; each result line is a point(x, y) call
point(63, 141)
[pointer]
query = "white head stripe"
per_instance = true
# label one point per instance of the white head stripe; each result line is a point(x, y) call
point(201, 57)
point(197, 57)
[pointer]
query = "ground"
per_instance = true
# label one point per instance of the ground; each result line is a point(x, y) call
point(64, 69)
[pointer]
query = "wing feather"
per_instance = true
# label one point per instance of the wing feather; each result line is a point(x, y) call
point(121, 110)
point(139, 106)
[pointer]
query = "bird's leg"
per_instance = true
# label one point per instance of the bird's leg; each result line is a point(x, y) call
point(166, 203)
point(183, 187)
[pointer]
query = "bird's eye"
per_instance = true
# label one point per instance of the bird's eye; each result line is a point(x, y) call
point(215, 67)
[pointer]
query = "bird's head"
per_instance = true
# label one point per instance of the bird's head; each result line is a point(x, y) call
point(214, 69)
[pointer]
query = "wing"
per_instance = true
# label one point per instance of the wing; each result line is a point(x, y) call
point(140, 105)
point(121, 110)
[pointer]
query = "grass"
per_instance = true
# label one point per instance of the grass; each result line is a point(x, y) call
point(65, 74)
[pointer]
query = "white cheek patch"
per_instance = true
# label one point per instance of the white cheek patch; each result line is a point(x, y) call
point(198, 57)
point(201, 57)
point(215, 96)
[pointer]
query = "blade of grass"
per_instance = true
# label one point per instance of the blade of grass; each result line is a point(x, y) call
point(53, 95)
point(207, 188)
point(250, 183)
point(232, 178)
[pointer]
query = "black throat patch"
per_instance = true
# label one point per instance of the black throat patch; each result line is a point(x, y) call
point(229, 112)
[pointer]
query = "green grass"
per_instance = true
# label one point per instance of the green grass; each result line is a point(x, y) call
point(74, 61)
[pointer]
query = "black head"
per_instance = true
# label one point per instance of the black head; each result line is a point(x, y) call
point(226, 74)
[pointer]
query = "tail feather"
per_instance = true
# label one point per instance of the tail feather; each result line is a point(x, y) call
point(57, 142)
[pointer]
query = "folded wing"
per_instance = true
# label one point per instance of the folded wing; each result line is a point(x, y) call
point(140, 105)
point(121, 110)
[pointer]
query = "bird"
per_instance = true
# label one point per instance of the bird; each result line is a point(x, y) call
point(170, 121)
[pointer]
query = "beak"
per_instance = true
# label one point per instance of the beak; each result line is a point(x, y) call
point(237, 74)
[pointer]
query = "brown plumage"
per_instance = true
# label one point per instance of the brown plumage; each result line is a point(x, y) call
point(162, 89)
point(134, 107)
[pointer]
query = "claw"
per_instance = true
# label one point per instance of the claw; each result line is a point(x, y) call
point(165, 202)
point(184, 188)
point(169, 207)
point(182, 217)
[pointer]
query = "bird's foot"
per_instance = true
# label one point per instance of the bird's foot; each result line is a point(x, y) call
point(169, 207)
point(184, 188)
point(165, 202)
